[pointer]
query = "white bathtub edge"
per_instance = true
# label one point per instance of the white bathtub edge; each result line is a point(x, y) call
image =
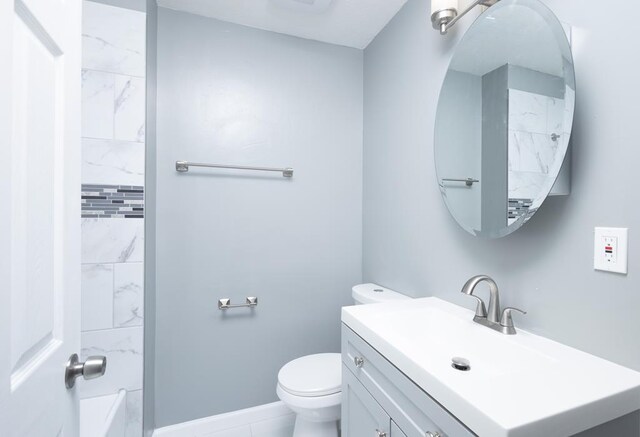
point(103, 416)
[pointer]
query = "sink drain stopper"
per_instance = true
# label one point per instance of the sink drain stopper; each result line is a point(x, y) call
point(460, 364)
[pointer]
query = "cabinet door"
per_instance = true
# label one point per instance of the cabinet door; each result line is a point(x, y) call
point(362, 416)
point(413, 410)
point(395, 431)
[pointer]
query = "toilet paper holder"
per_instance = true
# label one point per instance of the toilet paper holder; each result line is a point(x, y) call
point(225, 303)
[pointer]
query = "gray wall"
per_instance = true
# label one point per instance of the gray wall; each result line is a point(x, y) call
point(413, 245)
point(495, 150)
point(232, 94)
point(148, 413)
point(532, 81)
point(137, 5)
point(462, 148)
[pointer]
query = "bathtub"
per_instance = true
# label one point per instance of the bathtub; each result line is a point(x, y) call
point(103, 416)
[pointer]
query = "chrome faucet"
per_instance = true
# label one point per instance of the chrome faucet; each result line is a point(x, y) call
point(491, 319)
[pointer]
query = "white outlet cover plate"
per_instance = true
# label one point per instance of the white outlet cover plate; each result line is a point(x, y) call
point(617, 261)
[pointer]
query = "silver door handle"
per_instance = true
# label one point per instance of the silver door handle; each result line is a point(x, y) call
point(380, 433)
point(433, 434)
point(358, 361)
point(93, 367)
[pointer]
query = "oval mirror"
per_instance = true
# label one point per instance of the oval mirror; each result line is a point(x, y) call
point(504, 117)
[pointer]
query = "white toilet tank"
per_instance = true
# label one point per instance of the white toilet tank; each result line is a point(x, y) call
point(373, 293)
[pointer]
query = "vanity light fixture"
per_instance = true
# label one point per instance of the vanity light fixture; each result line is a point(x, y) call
point(444, 13)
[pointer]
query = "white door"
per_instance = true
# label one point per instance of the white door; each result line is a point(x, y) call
point(39, 215)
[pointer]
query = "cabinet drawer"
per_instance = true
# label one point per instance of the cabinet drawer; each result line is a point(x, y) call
point(395, 431)
point(362, 416)
point(409, 406)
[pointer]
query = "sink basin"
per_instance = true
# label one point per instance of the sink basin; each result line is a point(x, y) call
point(518, 385)
point(444, 336)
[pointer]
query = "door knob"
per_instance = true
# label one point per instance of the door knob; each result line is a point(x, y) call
point(380, 433)
point(358, 361)
point(93, 367)
point(433, 434)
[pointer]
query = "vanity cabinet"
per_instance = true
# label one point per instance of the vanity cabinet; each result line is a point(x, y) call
point(399, 354)
point(379, 400)
point(361, 414)
point(395, 431)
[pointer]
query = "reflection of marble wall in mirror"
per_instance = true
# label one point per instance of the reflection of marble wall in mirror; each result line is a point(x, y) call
point(535, 134)
point(538, 113)
point(534, 120)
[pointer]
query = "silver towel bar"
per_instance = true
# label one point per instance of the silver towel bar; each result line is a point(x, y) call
point(468, 181)
point(183, 167)
point(225, 304)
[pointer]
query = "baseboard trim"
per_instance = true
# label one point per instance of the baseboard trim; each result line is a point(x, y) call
point(222, 422)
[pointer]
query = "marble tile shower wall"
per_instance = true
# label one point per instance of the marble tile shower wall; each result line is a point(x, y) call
point(535, 131)
point(113, 123)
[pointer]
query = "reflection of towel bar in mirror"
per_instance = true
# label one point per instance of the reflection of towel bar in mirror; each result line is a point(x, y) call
point(468, 181)
point(183, 167)
point(225, 304)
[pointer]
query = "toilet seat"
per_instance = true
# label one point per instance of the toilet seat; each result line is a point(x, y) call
point(312, 375)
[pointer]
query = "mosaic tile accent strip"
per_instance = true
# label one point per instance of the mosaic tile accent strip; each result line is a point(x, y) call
point(112, 201)
point(518, 207)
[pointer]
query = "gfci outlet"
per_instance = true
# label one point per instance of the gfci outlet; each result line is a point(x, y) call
point(610, 249)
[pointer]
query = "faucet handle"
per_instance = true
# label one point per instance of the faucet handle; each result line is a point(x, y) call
point(506, 319)
point(481, 309)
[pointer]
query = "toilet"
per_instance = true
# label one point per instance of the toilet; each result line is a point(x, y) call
point(311, 386)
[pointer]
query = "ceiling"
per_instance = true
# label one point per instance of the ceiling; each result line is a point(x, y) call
point(512, 34)
point(351, 23)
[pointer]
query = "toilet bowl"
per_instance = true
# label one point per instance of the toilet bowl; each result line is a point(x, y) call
point(311, 386)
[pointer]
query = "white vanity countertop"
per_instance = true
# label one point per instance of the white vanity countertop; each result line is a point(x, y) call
point(519, 385)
